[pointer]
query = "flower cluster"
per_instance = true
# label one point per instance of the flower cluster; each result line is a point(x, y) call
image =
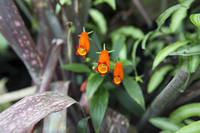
point(104, 60)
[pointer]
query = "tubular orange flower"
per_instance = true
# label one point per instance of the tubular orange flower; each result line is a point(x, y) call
point(118, 74)
point(84, 45)
point(104, 63)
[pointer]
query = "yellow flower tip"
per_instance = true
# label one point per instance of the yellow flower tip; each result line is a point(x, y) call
point(81, 51)
point(117, 80)
point(102, 69)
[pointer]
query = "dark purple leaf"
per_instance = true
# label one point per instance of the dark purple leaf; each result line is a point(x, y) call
point(50, 65)
point(27, 112)
point(13, 29)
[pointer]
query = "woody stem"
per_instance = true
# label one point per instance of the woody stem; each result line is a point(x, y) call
point(168, 95)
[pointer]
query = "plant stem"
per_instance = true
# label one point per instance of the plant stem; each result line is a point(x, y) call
point(166, 97)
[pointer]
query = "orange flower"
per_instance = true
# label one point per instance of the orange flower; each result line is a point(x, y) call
point(118, 73)
point(104, 63)
point(84, 45)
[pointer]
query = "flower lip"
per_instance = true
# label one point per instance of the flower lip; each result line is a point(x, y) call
point(102, 68)
point(81, 51)
point(117, 80)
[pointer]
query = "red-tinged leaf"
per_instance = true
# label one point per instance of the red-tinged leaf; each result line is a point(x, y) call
point(30, 110)
point(50, 64)
point(13, 29)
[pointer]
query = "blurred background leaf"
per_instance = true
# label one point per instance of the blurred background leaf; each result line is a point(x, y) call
point(111, 3)
point(99, 19)
point(98, 107)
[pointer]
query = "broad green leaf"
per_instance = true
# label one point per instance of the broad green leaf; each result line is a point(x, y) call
point(157, 78)
point(164, 124)
point(111, 3)
point(177, 18)
point(123, 98)
point(166, 14)
point(131, 31)
point(193, 63)
point(134, 90)
point(123, 53)
point(195, 19)
point(144, 41)
point(99, 19)
point(117, 46)
point(191, 128)
point(94, 81)
point(184, 112)
point(98, 107)
point(82, 125)
point(166, 51)
point(188, 50)
point(76, 67)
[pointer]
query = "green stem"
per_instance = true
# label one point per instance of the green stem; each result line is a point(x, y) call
point(104, 46)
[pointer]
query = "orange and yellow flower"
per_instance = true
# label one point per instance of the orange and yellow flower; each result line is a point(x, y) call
point(104, 63)
point(84, 44)
point(118, 74)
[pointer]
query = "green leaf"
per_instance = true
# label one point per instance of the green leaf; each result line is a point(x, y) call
point(135, 45)
point(191, 128)
point(166, 14)
point(76, 67)
point(82, 125)
point(94, 81)
point(111, 3)
point(144, 41)
point(166, 51)
point(99, 19)
point(131, 31)
point(118, 42)
point(123, 98)
point(123, 52)
point(193, 63)
point(195, 19)
point(184, 112)
point(164, 124)
point(98, 108)
point(157, 78)
point(177, 18)
point(188, 50)
point(134, 90)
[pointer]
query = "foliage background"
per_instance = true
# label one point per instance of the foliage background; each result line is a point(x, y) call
point(157, 42)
